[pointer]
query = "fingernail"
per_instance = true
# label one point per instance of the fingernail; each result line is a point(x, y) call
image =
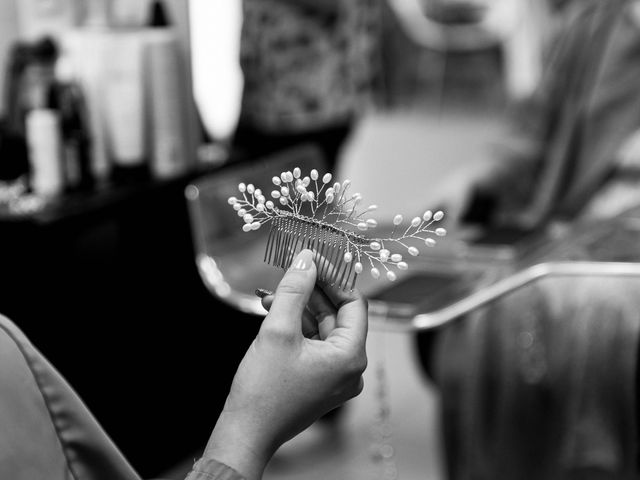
point(303, 261)
point(261, 292)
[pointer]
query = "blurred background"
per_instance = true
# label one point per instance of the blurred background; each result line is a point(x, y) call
point(126, 125)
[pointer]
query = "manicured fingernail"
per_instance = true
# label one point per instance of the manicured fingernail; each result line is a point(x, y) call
point(303, 261)
point(261, 292)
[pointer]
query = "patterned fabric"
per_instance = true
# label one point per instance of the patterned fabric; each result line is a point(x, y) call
point(306, 69)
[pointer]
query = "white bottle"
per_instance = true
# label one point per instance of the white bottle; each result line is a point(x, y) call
point(87, 50)
point(124, 95)
point(44, 141)
point(166, 87)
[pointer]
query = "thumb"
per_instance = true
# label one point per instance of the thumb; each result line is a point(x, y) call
point(292, 294)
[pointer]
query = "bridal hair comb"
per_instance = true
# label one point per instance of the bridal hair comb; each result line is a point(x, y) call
point(309, 212)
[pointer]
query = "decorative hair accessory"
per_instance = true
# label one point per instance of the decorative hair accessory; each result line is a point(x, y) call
point(310, 213)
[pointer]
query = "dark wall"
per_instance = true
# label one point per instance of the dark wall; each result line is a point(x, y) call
point(114, 300)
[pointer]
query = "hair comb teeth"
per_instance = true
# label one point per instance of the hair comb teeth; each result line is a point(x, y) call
point(325, 218)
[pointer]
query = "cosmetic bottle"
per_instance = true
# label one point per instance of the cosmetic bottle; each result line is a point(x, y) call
point(45, 148)
point(68, 100)
point(124, 105)
point(166, 96)
point(87, 51)
point(14, 156)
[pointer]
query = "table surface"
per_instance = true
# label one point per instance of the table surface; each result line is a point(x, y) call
point(81, 204)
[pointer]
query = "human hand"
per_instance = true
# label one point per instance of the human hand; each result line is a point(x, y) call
point(287, 380)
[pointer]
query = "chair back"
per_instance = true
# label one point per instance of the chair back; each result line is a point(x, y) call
point(230, 261)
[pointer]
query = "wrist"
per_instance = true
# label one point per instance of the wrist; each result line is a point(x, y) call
point(240, 446)
point(210, 468)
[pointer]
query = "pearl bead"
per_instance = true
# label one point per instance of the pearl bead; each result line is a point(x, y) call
point(330, 191)
point(427, 215)
point(384, 254)
point(391, 276)
point(248, 218)
point(275, 194)
point(358, 268)
point(269, 204)
point(413, 251)
point(397, 220)
point(348, 257)
point(362, 226)
point(314, 174)
point(311, 195)
point(304, 197)
point(232, 200)
point(276, 181)
point(237, 206)
point(429, 242)
point(396, 257)
point(438, 216)
point(258, 192)
point(329, 199)
point(261, 199)
point(242, 212)
point(260, 207)
point(375, 273)
point(284, 191)
point(255, 225)
point(336, 187)
point(296, 172)
point(300, 188)
point(416, 222)
point(306, 181)
point(246, 227)
point(375, 246)
point(372, 208)
point(327, 178)
point(372, 223)
point(242, 187)
point(251, 188)
point(403, 265)
point(289, 177)
point(283, 176)
point(441, 232)
point(283, 201)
